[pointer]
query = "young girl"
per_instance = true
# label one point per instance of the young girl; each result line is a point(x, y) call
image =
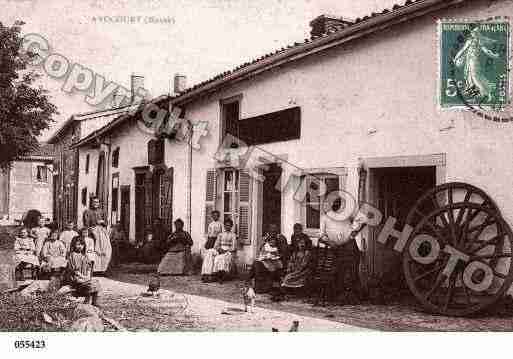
point(40, 233)
point(226, 247)
point(89, 244)
point(80, 270)
point(25, 249)
point(67, 235)
point(53, 254)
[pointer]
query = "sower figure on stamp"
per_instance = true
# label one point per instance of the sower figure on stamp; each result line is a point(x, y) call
point(95, 219)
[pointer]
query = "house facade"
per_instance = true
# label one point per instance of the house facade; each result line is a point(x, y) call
point(357, 101)
point(27, 184)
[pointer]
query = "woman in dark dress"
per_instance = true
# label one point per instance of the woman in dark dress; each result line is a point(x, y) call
point(177, 260)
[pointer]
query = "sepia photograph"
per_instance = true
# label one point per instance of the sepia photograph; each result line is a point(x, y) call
point(328, 166)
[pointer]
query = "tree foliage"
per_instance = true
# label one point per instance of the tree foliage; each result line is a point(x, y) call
point(25, 110)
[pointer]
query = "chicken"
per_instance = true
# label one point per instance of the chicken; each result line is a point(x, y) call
point(154, 285)
point(293, 328)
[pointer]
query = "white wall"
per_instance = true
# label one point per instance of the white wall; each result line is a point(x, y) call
point(375, 97)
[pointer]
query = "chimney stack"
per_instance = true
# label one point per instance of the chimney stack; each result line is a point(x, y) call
point(324, 24)
point(180, 84)
point(136, 83)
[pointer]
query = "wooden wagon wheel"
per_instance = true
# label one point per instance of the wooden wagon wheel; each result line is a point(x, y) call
point(481, 236)
point(448, 193)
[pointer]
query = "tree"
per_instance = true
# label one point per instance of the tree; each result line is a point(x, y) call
point(25, 110)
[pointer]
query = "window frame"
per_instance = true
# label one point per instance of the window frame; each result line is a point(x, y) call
point(323, 173)
point(87, 163)
point(44, 171)
point(222, 114)
point(234, 213)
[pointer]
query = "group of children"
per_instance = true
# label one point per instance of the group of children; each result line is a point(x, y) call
point(67, 254)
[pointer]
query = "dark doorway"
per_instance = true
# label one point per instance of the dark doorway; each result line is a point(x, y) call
point(139, 205)
point(394, 191)
point(271, 201)
point(125, 209)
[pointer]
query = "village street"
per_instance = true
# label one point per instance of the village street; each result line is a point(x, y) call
point(212, 306)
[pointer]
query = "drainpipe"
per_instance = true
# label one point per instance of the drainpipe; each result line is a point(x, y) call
point(189, 175)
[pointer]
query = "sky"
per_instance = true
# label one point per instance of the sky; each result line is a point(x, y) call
point(197, 38)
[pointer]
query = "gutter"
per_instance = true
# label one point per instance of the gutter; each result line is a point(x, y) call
point(352, 32)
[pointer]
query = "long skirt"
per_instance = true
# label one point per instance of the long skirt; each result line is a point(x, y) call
point(55, 263)
point(207, 267)
point(348, 261)
point(27, 257)
point(223, 262)
point(265, 280)
point(102, 248)
point(297, 278)
point(175, 263)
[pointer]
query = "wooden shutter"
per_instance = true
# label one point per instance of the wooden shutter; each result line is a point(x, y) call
point(167, 178)
point(148, 203)
point(210, 196)
point(244, 208)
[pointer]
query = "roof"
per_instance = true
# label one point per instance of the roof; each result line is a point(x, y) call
point(125, 115)
point(363, 26)
point(85, 116)
point(360, 27)
point(45, 152)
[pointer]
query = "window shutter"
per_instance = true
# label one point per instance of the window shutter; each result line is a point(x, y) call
point(148, 193)
point(210, 196)
point(167, 211)
point(244, 208)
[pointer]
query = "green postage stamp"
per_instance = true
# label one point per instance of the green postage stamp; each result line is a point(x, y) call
point(474, 60)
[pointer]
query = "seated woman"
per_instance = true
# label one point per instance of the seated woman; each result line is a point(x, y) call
point(226, 248)
point(53, 254)
point(177, 260)
point(299, 269)
point(268, 265)
point(25, 250)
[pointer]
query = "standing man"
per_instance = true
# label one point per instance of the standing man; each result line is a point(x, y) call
point(94, 219)
point(338, 235)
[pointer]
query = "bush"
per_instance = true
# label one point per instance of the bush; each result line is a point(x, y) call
point(25, 313)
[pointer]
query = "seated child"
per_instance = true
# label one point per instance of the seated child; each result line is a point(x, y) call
point(80, 270)
point(67, 235)
point(25, 249)
point(53, 254)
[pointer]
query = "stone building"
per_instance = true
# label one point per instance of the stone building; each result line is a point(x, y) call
point(360, 98)
point(27, 184)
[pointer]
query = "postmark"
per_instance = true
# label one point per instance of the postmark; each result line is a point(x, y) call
point(474, 64)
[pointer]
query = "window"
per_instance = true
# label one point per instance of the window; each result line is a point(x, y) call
point(83, 196)
point(42, 174)
point(230, 117)
point(87, 164)
point(115, 158)
point(230, 197)
point(156, 151)
point(115, 190)
point(315, 203)
point(277, 126)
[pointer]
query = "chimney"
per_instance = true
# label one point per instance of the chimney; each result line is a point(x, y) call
point(136, 83)
point(180, 83)
point(324, 24)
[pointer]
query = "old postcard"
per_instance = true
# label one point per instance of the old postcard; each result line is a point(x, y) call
point(263, 166)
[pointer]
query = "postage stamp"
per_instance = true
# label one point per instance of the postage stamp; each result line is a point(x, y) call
point(474, 60)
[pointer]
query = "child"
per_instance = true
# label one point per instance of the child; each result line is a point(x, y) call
point(40, 233)
point(53, 254)
point(214, 229)
point(80, 269)
point(226, 247)
point(67, 235)
point(297, 236)
point(25, 250)
point(89, 244)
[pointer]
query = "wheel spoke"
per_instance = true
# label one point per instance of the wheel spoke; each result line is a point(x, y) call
point(425, 274)
point(450, 289)
point(491, 256)
point(438, 281)
point(490, 242)
point(451, 217)
point(465, 290)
